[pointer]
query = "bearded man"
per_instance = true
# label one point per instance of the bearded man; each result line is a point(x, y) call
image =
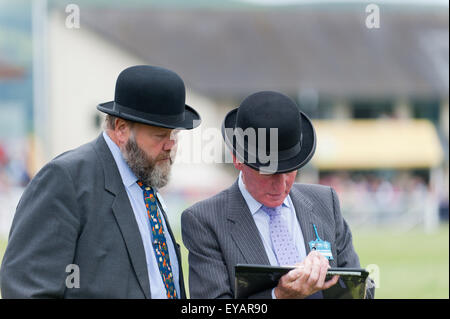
point(91, 224)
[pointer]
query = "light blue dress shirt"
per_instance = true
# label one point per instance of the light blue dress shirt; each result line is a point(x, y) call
point(262, 223)
point(136, 197)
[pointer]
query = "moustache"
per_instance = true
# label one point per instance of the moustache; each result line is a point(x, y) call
point(163, 157)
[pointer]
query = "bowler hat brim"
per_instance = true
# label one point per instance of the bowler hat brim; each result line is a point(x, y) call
point(190, 120)
point(305, 154)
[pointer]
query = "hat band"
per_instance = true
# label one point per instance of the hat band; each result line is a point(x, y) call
point(291, 152)
point(145, 115)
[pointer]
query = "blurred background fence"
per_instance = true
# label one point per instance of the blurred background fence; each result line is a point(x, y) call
point(376, 90)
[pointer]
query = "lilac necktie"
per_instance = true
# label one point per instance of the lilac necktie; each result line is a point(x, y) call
point(283, 243)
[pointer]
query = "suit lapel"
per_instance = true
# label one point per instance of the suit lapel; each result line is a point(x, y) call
point(130, 232)
point(124, 216)
point(304, 210)
point(243, 228)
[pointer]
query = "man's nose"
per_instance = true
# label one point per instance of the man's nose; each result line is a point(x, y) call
point(169, 144)
point(279, 181)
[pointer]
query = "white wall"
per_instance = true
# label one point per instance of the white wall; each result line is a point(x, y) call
point(83, 71)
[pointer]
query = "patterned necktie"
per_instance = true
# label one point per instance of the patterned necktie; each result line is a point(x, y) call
point(159, 240)
point(283, 243)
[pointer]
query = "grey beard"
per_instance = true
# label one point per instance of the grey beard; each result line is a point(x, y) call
point(144, 167)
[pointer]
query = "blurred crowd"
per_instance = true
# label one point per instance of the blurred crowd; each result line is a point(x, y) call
point(376, 199)
point(366, 198)
point(13, 171)
point(13, 179)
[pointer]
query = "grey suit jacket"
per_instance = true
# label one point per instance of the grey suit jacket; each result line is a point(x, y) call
point(220, 232)
point(76, 211)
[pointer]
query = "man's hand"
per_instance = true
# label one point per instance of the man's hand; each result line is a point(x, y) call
point(306, 279)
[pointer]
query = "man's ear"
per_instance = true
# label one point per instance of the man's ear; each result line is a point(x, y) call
point(238, 165)
point(122, 131)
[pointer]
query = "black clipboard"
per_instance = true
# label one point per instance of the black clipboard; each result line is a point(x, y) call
point(251, 279)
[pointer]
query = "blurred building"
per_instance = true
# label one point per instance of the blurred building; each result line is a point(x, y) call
point(379, 97)
point(322, 56)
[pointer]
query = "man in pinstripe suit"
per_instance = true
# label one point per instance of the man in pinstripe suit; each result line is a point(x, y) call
point(264, 218)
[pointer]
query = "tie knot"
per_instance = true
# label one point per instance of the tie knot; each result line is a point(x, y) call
point(144, 187)
point(271, 211)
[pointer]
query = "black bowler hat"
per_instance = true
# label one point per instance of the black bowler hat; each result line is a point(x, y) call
point(296, 141)
point(151, 95)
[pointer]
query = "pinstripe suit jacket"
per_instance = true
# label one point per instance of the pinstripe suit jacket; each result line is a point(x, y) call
point(220, 232)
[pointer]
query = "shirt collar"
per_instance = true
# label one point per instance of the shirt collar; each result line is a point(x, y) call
point(128, 177)
point(253, 205)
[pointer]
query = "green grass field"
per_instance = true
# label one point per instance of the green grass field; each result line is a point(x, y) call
point(411, 264)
